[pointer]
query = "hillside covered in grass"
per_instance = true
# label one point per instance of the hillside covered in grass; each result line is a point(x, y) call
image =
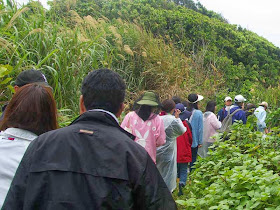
point(172, 47)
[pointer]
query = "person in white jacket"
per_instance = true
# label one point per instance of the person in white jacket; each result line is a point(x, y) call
point(31, 112)
point(210, 126)
point(167, 153)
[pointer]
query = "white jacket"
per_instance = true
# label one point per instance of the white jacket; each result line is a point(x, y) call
point(13, 143)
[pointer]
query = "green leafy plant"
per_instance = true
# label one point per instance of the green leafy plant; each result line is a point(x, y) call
point(242, 172)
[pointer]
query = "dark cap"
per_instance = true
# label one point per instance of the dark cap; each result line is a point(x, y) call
point(180, 106)
point(31, 76)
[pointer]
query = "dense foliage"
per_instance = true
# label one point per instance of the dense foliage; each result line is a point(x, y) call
point(243, 57)
point(160, 45)
point(242, 172)
point(172, 47)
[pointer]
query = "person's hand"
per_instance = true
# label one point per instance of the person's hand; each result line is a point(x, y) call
point(177, 113)
point(200, 145)
point(266, 131)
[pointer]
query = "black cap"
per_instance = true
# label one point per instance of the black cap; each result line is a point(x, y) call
point(31, 76)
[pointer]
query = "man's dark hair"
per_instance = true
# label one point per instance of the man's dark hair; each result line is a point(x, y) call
point(210, 107)
point(168, 105)
point(103, 89)
point(176, 99)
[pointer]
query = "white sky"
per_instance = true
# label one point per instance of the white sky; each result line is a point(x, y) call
point(259, 16)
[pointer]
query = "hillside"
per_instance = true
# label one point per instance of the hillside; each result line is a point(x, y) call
point(154, 44)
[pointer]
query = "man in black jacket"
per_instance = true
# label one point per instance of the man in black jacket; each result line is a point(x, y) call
point(91, 164)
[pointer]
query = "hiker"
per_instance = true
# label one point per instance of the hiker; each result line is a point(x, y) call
point(260, 113)
point(186, 104)
point(250, 109)
point(210, 126)
point(240, 114)
point(184, 152)
point(225, 110)
point(146, 124)
point(176, 99)
point(167, 153)
point(91, 164)
point(27, 77)
point(185, 114)
point(196, 121)
point(31, 112)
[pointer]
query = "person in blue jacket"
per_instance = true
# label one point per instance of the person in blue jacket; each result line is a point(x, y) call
point(224, 111)
point(239, 104)
point(196, 121)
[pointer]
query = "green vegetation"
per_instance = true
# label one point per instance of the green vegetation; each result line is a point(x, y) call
point(242, 172)
point(67, 49)
point(162, 45)
point(173, 48)
point(241, 56)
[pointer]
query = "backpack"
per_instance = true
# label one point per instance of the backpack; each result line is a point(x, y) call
point(227, 122)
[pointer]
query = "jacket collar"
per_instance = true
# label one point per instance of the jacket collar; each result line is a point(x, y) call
point(261, 107)
point(103, 118)
point(20, 133)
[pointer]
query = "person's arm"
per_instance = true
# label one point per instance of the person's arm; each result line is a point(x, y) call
point(178, 126)
point(151, 191)
point(200, 129)
point(219, 115)
point(161, 139)
point(243, 118)
point(16, 193)
point(216, 124)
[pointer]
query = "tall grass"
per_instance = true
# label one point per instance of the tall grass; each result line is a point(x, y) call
point(66, 49)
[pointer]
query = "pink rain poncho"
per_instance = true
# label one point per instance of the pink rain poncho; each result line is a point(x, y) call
point(210, 126)
point(150, 133)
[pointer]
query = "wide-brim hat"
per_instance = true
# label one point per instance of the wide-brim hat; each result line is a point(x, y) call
point(194, 98)
point(149, 98)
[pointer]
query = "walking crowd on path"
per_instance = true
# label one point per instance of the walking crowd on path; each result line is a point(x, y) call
point(98, 162)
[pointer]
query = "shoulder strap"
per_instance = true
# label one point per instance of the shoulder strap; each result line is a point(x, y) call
point(235, 112)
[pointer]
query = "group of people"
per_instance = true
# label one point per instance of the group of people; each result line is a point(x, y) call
point(175, 133)
point(241, 112)
point(97, 162)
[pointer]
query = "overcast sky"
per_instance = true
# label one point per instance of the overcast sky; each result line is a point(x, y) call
point(259, 16)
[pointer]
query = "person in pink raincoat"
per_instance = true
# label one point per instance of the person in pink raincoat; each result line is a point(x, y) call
point(145, 123)
point(210, 127)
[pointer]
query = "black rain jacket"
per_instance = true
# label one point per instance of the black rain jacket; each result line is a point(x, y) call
point(91, 164)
